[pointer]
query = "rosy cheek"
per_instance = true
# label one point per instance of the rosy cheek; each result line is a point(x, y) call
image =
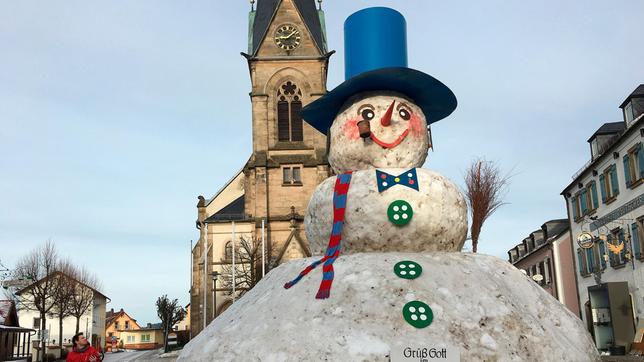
point(350, 129)
point(416, 125)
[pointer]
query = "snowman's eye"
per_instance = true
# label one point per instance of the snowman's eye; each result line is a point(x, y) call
point(367, 114)
point(404, 114)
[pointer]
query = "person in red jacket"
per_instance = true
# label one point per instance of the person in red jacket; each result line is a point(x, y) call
point(82, 351)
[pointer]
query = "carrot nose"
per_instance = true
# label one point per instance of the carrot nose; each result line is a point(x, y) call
point(385, 121)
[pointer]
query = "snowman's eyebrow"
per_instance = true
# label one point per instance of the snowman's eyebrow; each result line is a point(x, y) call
point(366, 105)
point(403, 104)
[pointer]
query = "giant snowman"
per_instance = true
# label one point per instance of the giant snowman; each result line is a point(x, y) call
point(390, 282)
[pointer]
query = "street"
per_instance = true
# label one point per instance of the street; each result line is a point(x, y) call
point(153, 355)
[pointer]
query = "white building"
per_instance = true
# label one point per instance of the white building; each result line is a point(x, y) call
point(606, 199)
point(92, 322)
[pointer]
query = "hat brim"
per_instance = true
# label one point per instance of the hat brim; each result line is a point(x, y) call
point(435, 99)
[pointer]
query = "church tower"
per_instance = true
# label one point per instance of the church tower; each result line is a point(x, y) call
point(287, 59)
point(288, 62)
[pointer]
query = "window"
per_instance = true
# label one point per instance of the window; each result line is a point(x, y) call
point(628, 113)
point(36, 323)
point(548, 272)
point(637, 238)
point(292, 175)
point(228, 251)
point(289, 120)
point(130, 339)
point(581, 262)
point(116, 326)
point(602, 253)
point(127, 324)
point(608, 184)
point(145, 338)
point(585, 202)
point(634, 165)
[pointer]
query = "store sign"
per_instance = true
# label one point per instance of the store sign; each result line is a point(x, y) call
point(585, 240)
point(617, 213)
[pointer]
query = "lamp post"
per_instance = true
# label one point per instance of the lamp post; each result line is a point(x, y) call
point(214, 275)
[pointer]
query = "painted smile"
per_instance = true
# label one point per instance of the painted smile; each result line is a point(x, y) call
point(392, 144)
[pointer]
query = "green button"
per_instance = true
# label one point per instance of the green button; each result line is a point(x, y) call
point(418, 314)
point(408, 269)
point(400, 212)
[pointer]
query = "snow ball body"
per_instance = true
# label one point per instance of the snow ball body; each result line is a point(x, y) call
point(438, 223)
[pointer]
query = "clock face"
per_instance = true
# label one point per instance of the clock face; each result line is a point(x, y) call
point(287, 37)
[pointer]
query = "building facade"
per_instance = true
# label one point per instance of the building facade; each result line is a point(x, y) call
point(115, 323)
point(287, 61)
point(149, 337)
point(91, 323)
point(606, 215)
point(546, 256)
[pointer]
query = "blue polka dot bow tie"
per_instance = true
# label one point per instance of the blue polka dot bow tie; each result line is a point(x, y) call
point(407, 178)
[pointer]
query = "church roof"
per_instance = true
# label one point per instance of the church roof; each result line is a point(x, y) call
point(233, 211)
point(266, 10)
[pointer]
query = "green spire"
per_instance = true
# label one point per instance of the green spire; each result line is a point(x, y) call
point(323, 26)
point(251, 21)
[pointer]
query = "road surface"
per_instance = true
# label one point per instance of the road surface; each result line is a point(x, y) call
point(139, 356)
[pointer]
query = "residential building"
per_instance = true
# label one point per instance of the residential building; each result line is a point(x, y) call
point(91, 323)
point(115, 323)
point(546, 256)
point(287, 61)
point(605, 203)
point(184, 324)
point(15, 341)
point(148, 337)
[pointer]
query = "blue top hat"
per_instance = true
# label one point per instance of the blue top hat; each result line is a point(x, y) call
point(375, 42)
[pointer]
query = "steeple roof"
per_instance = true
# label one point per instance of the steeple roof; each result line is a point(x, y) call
point(266, 11)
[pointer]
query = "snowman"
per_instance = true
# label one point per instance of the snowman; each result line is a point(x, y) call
point(378, 122)
point(393, 231)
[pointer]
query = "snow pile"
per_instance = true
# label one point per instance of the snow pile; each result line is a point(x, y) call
point(481, 304)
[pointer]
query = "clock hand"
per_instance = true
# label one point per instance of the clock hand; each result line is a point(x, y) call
point(288, 36)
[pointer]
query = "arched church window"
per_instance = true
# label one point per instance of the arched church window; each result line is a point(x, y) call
point(228, 251)
point(289, 120)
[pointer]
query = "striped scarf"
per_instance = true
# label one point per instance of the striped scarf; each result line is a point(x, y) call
point(342, 183)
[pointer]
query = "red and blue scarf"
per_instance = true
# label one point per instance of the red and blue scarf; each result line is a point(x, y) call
point(342, 183)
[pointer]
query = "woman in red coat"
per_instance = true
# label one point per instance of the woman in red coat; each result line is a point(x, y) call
point(82, 351)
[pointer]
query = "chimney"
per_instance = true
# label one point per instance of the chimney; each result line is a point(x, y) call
point(121, 309)
point(112, 310)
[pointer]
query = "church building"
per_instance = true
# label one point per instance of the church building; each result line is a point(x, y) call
point(288, 62)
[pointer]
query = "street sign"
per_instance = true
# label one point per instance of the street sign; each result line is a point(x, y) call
point(172, 339)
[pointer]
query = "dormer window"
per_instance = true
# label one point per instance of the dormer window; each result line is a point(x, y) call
point(633, 106)
point(629, 116)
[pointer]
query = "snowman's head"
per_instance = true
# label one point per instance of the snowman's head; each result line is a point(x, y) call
point(396, 136)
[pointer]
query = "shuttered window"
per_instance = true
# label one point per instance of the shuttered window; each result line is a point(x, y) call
point(635, 240)
point(627, 170)
point(602, 253)
point(283, 121)
point(289, 118)
point(614, 183)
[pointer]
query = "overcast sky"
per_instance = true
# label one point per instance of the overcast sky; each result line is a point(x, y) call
point(116, 115)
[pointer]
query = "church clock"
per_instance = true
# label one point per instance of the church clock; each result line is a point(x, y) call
point(287, 37)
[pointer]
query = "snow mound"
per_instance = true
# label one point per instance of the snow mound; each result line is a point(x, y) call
point(481, 304)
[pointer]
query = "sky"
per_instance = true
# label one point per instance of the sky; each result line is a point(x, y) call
point(115, 115)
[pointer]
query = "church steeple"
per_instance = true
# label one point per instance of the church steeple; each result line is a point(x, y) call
point(262, 18)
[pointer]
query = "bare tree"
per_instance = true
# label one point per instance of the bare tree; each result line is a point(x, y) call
point(248, 266)
point(83, 296)
point(38, 267)
point(64, 288)
point(170, 313)
point(485, 188)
